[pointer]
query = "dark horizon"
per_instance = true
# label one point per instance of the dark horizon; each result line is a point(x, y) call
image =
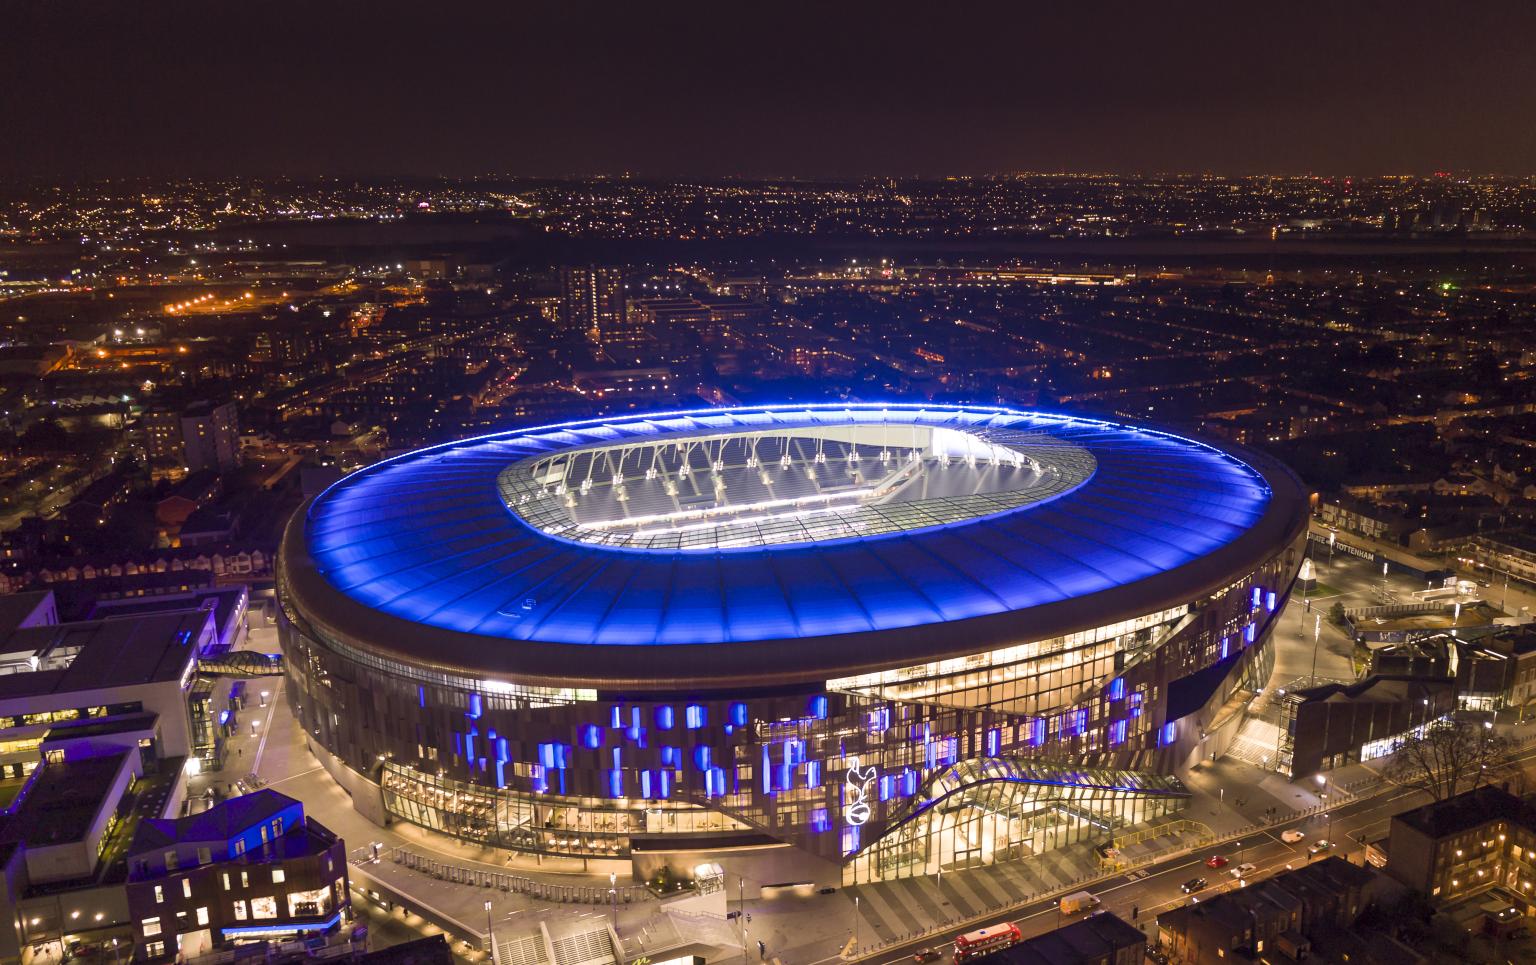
point(357, 90)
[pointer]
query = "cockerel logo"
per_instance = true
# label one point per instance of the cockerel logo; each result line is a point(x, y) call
point(856, 786)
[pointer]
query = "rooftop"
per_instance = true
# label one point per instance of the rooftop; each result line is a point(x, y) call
point(97, 654)
point(1471, 809)
point(61, 798)
point(225, 820)
point(522, 536)
point(1092, 939)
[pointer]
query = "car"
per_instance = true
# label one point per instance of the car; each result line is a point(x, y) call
point(1319, 846)
point(924, 955)
point(1244, 870)
point(1291, 836)
point(1193, 885)
point(1215, 861)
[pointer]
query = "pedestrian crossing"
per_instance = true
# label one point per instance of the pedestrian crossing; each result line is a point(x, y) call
point(892, 909)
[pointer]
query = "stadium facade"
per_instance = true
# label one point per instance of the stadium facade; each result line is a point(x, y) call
point(877, 639)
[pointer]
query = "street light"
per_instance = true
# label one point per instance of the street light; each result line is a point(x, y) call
point(264, 695)
point(490, 931)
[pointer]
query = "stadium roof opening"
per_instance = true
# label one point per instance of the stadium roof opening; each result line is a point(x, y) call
point(711, 491)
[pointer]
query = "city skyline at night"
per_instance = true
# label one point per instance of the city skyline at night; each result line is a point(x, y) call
point(794, 484)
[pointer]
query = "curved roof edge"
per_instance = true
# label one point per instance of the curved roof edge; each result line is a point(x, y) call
point(788, 661)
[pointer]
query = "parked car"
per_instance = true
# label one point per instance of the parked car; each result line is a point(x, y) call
point(1291, 836)
point(1244, 870)
point(1216, 861)
point(1193, 885)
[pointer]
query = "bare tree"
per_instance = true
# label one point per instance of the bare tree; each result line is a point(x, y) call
point(1451, 756)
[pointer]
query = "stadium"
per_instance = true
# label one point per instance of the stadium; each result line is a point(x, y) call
point(821, 643)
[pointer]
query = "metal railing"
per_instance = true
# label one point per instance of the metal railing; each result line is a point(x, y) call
point(518, 884)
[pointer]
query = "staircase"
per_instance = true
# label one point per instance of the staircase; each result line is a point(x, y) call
point(593, 947)
point(1257, 742)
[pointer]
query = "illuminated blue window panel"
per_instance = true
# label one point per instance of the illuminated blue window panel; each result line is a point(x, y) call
point(850, 839)
point(1257, 594)
point(1037, 731)
point(1170, 733)
point(591, 736)
point(617, 718)
point(880, 720)
point(820, 820)
point(813, 773)
point(1117, 689)
point(665, 717)
point(1117, 732)
point(476, 707)
point(1269, 601)
point(994, 742)
point(818, 708)
point(1250, 632)
point(615, 783)
point(739, 715)
point(694, 716)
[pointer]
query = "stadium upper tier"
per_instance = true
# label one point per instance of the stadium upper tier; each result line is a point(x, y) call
point(771, 529)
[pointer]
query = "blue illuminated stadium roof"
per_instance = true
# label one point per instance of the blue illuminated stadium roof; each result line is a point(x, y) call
point(428, 538)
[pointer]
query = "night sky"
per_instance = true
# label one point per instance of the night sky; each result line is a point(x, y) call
point(816, 89)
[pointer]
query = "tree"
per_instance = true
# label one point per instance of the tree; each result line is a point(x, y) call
point(1336, 614)
point(1451, 756)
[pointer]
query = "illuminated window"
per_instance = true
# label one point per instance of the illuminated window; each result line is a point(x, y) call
point(240, 912)
point(309, 903)
point(151, 927)
point(264, 907)
point(186, 888)
point(277, 876)
point(202, 915)
point(159, 895)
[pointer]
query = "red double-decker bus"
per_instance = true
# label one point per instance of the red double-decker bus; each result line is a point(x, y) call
point(985, 941)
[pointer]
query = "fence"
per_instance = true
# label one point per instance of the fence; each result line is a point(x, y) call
point(1398, 609)
point(517, 884)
